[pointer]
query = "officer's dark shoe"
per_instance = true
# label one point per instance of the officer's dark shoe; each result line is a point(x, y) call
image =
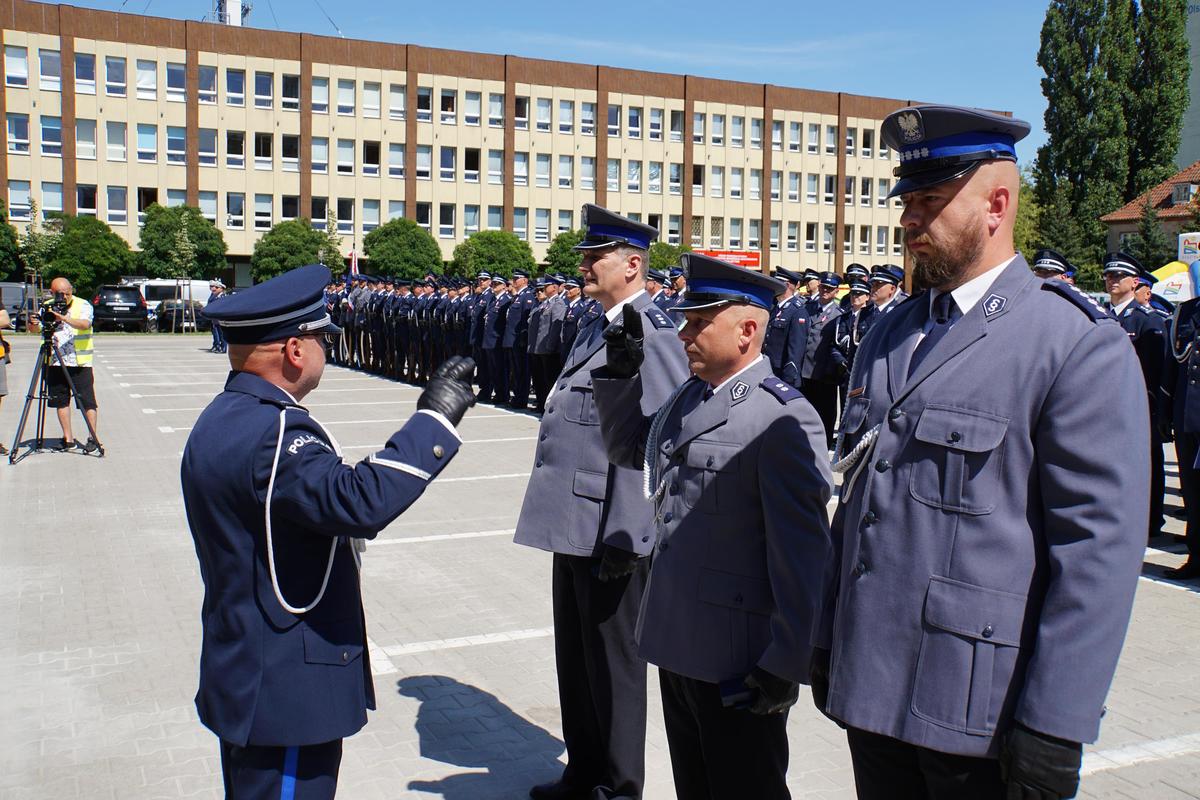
point(91, 446)
point(1189, 570)
point(515, 406)
point(557, 790)
point(64, 446)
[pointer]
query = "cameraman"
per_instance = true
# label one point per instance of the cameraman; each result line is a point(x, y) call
point(73, 338)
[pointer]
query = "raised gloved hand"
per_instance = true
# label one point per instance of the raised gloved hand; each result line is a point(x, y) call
point(616, 563)
point(449, 391)
point(1035, 766)
point(775, 694)
point(623, 344)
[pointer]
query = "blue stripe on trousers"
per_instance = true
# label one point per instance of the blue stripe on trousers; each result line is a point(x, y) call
point(287, 790)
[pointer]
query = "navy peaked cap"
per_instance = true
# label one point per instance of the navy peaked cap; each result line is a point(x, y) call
point(292, 304)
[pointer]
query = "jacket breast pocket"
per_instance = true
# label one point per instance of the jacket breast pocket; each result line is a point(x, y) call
point(709, 467)
point(957, 459)
point(970, 642)
point(580, 406)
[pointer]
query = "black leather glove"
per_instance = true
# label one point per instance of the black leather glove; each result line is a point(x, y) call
point(1164, 429)
point(449, 391)
point(623, 344)
point(775, 694)
point(1039, 767)
point(616, 563)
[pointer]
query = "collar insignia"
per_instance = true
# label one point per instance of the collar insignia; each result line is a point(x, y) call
point(739, 390)
point(994, 305)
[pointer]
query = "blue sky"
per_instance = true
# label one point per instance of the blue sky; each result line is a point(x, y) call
point(981, 54)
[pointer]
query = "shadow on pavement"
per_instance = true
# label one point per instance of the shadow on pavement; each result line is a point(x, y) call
point(465, 726)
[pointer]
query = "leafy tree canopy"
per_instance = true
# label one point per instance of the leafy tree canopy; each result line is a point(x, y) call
point(159, 236)
point(403, 249)
point(88, 253)
point(498, 252)
point(286, 246)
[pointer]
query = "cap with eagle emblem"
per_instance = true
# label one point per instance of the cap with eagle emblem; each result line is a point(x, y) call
point(941, 143)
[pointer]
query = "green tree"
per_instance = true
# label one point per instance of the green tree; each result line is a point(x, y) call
point(330, 253)
point(498, 252)
point(1159, 96)
point(559, 255)
point(10, 248)
point(159, 236)
point(404, 249)
point(183, 255)
point(1025, 228)
point(1150, 244)
point(88, 253)
point(1059, 230)
point(663, 256)
point(286, 246)
point(38, 242)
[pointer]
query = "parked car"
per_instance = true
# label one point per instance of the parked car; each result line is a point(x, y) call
point(179, 316)
point(119, 307)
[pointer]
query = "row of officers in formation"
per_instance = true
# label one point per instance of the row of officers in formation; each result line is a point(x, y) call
point(960, 615)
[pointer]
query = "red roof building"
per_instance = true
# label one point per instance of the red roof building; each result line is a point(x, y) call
point(1171, 199)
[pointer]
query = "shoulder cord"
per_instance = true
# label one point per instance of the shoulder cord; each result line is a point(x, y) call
point(650, 459)
point(860, 455)
point(1187, 348)
point(270, 545)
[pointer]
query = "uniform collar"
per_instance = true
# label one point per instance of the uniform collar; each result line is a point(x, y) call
point(615, 311)
point(253, 385)
point(971, 292)
point(1119, 311)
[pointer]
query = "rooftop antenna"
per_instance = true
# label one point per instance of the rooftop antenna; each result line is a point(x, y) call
point(331, 22)
point(231, 12)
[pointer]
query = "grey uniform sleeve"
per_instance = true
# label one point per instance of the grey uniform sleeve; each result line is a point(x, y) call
point(622, 424)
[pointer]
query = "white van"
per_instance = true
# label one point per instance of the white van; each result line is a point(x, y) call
point(156, 290)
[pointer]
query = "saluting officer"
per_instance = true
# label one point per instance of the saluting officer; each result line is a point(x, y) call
point(787, 333)
point(1147, 330)
point(989, 533)
point(736, 470)
point(1183, 380)
point(818, 373)
point(284, 672)
point(592, 515)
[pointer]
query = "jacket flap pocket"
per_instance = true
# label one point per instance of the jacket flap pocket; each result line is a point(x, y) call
point(855, 413)
point(319, 650)
point(961, 429)
point(713, 456)
point(740, 592)
point(975, 611)
point(590, 484)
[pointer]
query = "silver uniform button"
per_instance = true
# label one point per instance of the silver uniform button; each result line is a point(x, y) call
point(438, 451)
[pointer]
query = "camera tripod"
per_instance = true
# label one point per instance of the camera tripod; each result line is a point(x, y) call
point(38, 394)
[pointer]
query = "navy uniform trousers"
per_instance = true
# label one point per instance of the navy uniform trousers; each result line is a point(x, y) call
point(259, 772)
point(889, 769)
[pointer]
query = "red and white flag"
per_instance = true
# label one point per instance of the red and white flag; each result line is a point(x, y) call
point(353, 262)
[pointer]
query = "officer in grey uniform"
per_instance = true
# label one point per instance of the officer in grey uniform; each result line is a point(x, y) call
point(593, 516)
point(736, 469)
point(991, 522)
point(545, 341)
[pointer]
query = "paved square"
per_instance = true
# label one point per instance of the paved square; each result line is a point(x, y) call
point(101, 633)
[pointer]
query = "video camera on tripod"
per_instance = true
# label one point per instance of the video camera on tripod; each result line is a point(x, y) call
point(51, 306)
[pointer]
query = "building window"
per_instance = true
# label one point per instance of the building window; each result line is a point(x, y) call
point(235, 211)
point(495, 167)
point(831, 140)
point(176, 83)
point(656, 124)
point(675, 178)
point(208, 205)
point(697, 232)
point(49, 70)
point(827, 237)
point(345, 97)
point(773, 235)
point(566, 171)
point(884, 153)
point(264, 97)
point(541, 173)
point(735, 234)
point(397, 101)
point(633, 176)
point(289, 207)
point(320, 154)
point(613, 175)
point(814, 143)
point(716, 182)
point(235, 87)
point(810, 193)
point(851, 142)
point(521, 114)
point(424, 162)
point(717, 134)
point(370, 159)
point(85, 200)
point(52, 136)
point(753, 234)
point(345, 156)
point(289, 152)
point(777, 134)
point(176, 197)
point(697, 180)
point(471, 164)
point(897, 241)
point(395, 209)
point(320, 95)
point(18, 134)
point(207, 145)
point(698, 128)
point(495, 218)
point(587, 119)
point(614, 120)
point(776, 184)
point(830, 183)
point(565, 222)
point(566, 116)
point(885, 186)
point(117, 198)
point(448, 163)
point(235, 149)
point(635, 122)
point(864, 191)
point(848, 190)
point(176, 145)
point(372, 98)
point(521, 223)
point(85, 73)
point(881, 240)
point(262, 212)
point(424, 104)
point(449, 107)
point(148, 79)
point(587, 172)
point(520, 169)
point(472, 108)
point(264, 157)
point(794, 187)
point(16, 67)
point(737, 132)
point(541, 224)
point(85, 139)
point(318, 211)
point(370, 215)
point(676, 126)
point(114, 136)
point(847, 239)
point(496, 110)
point(207, 86)
point(794, 137)
point(756, 133)
point(543, 114)
point(654, 178)
point(674, 223)
point(395, 160)
point(289, 93)
point(810, 237)
point(18, 199)
point(793, 235)
point(114, 76)
point(868, 143)
point(716, 232)
point(864, 240)
point(755, 184)
point(345, 215)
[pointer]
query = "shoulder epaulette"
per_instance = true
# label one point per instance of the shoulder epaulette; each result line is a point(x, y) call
point(658, 318)
point(1078, 298)
point(780, 390)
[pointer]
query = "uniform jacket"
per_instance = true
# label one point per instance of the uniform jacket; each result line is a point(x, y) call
point(547, 338)
point(577, 501)
point(742, 527)
point(1148, 331)
point(572, 313)
point(662, 300)
point(786, 340)
point(988, 550)
point(494, 320)
point(851, 329)
point(479, 316)
point(516, 323)
point(267, 676)
point(818, 346)
point(1182, 375)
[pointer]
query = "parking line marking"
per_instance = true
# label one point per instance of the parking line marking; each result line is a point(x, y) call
point(465, 441)
point(165, 429)
point(1140, 753)
point(380, 663)
point(483, 477)
point(149, 411)
point(467, 641)
point(439, 537)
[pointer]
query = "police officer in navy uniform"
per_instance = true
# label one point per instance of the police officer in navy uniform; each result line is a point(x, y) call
point(995, 480)
point(787, 332)
point(1182, 378)
point(1050, 265)
point(592, 515)
point(516, 339)
point(656, 281)
point(886, 294)
point(854, 272)
point(576, 305)
point(818, 372)
point(852, 327)
point(495, 319)
point(274, 512)
point(739, 480)
point(1148, 332)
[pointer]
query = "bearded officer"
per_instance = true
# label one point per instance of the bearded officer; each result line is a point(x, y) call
point(737, 472)
point(284, 674)
point(984, 574)
point(592, 515)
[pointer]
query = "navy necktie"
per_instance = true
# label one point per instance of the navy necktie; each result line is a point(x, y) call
point(942, 316)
